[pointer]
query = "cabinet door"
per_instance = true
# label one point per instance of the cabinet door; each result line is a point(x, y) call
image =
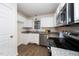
point(30, 38)
point(28, 23)
point(47, 21)
point(76, 12)
point(61, 5)
point(7, 30)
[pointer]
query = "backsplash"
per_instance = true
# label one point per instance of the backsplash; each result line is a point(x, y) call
point(67, 29)
point(72, 28)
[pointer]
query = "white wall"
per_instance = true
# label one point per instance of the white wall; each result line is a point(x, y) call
point(19, 27)
point(20, 22)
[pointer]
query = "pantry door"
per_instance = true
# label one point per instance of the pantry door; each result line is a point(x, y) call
point(8, 25)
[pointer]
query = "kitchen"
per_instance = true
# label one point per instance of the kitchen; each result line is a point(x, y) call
point(39, 29)
point(52, 30)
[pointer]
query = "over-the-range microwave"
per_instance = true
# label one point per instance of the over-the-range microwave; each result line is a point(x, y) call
point(66, 14)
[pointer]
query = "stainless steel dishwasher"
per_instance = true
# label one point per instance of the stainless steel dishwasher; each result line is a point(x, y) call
point(43, 39)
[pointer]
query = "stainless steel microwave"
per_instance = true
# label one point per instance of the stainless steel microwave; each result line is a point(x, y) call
point(66, 14)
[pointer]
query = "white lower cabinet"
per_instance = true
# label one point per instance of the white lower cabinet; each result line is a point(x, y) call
point(30, 38)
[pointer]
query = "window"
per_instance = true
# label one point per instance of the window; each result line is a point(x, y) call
point(37, 24)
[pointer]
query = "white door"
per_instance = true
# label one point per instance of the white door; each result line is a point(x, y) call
point(7, 30)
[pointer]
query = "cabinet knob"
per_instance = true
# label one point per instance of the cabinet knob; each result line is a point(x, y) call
point(11, 36)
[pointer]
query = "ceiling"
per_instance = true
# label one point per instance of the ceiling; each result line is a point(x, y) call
point(32, 9)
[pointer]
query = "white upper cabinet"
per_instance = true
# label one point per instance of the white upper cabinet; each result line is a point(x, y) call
point(54, 20)
point(25, 21)
point(76, 12)
point(28, 23)
point(61, 5)
point(47, 21)
point(21, 18)
point(59, 8)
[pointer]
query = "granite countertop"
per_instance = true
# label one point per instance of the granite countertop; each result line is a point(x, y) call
point(39, 32)
point(29, 32)
point(51, 34)
point(63, 52)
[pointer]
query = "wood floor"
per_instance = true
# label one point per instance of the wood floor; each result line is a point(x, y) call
point(32, 50)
